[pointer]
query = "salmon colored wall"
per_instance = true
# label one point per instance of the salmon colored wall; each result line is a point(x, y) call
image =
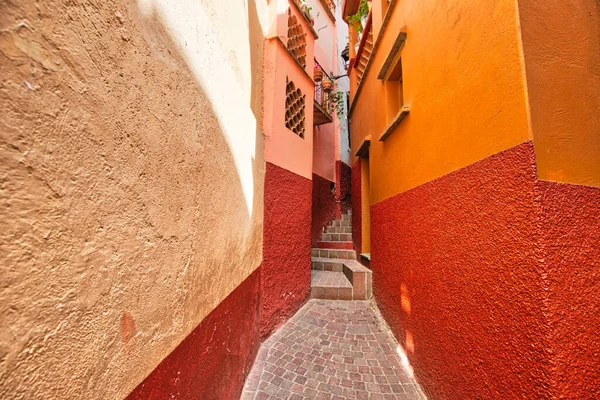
point(324, 151)
point(325, 44)
point(283, 147)
point(561, 44)
point(464, 81)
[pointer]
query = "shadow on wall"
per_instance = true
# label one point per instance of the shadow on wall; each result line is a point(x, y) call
point(131, 203)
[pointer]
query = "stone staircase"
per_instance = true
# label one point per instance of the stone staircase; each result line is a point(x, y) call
point(336, 275)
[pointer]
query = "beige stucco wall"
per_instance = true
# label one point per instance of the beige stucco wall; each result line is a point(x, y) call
point(131, 173)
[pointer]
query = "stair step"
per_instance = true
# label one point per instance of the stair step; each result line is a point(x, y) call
point(334, 253)
point(330, 286)
point(327, 264)
point(353, 282)
point(335, 245)
point(336, 237)
point(338, 223)
point(339, 229)
point(361, 279)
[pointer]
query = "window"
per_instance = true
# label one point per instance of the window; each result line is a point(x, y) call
point(294, 109)
point(296, 43)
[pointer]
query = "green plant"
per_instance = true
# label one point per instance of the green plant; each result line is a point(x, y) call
point(363, 9)
point(335, 99)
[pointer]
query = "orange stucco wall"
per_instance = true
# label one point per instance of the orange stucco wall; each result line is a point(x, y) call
point(464, 81)
point(283, 147)
point(561, 43)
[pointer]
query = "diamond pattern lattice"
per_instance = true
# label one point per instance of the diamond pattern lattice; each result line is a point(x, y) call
point(296, 39)
point(295, 109)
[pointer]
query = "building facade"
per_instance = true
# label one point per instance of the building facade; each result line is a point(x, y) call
point(158, 185)
point(475, 188)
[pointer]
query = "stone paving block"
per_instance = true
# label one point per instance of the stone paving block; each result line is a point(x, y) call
point(331, 350)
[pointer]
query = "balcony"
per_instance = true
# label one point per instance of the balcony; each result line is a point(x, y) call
point(322, 107)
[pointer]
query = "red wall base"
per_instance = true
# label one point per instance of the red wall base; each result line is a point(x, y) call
point(286, 247)
point(489, 278)
point(214, 360)
point(343, 186)
point(456, 276)
point(324, 207)
point(570, 226)
point(356, 191)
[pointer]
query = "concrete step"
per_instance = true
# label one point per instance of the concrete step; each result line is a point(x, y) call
point(330, 286)
point(335, 279)
point(336, 237)
point(339, 229)
point(334, 253)
point(361, 278)
point(327, 264)
point(335, 245)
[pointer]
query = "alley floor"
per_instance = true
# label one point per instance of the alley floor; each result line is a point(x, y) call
point(332, 350)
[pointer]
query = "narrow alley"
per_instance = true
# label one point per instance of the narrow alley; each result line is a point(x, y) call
point(332, 350)
point(299, 199)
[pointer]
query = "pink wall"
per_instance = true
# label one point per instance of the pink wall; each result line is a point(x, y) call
point(324, 148)
point(283, 147)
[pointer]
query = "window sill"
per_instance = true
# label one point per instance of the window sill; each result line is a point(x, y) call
point(397, 120)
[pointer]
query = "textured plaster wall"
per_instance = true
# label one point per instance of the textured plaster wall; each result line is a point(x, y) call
point(570, 245)
point(285, 279)
point(344, 185)
point(324, 206)
point(456, 274)
point(324, 150)
point(131, 200)
point(561, 46)
point(463, 78)
point(488, 277)
point(212, 361)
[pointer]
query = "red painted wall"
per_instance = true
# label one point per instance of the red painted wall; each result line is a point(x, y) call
point(285, 283)
point(456, 274)
point(570, 222)
point(344, 185)
point(214, 360)
point(356, 207)
point(324, 207)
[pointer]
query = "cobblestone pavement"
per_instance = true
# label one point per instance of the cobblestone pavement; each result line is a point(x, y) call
point(332, 350)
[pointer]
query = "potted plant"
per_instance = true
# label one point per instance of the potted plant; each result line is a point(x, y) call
point(318, 74)
point(306, 9)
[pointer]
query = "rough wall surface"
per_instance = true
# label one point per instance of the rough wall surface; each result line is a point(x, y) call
point(456, 274)
point(344, 185)
point(356, 186)
point(128, 208)
point(285, 282)
point(570, 223)
point(324, 207)
point(212, 361)
point(561, 48)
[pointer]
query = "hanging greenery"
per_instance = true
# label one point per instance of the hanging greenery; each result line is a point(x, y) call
point(363, 9)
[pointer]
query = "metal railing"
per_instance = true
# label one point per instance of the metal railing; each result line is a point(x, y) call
point(321, 92)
